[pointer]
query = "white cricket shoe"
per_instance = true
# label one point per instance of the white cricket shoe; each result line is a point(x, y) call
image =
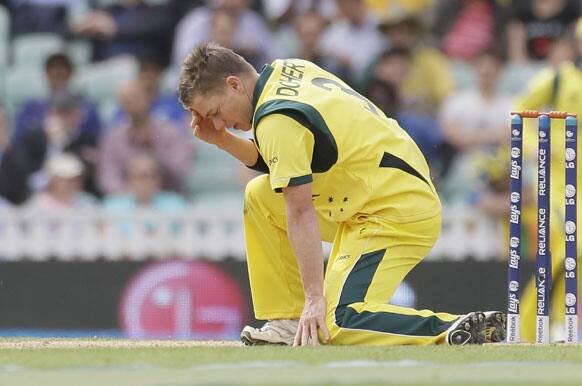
point(275, 332)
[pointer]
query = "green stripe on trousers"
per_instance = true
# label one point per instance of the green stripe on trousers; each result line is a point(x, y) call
point(354, 291)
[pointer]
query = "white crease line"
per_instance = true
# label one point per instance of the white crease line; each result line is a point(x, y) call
point(247, 365)
point(291, 364)
point(11, 369)
point(365, 363)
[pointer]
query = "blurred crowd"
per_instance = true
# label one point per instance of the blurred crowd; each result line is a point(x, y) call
point(106, 128)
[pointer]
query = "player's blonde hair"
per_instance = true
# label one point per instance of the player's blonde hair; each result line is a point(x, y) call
point(205, 69)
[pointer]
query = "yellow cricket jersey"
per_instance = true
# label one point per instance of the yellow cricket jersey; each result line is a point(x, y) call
point(310, 126)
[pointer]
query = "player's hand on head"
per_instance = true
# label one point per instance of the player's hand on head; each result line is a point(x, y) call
point(204, 129)
point(311, 321)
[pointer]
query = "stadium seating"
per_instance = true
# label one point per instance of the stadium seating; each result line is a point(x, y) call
point(169, 82)
point(31, 50)
point(214, 173)
point(78, 11)
point(213, 227)
point(106, 3)
point(463, 75)
point(21, 83)
point(107, 109)
point(100, 81)
point(4, 36)
point(515, 77)
point(80, 52)
point(465, 235)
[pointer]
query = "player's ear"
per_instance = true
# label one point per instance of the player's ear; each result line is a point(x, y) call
point(234, 83)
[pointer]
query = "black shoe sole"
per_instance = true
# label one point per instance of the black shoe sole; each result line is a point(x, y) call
point(470, 330)
point(495, 327)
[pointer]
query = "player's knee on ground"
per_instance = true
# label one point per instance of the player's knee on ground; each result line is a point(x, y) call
point(334, 321)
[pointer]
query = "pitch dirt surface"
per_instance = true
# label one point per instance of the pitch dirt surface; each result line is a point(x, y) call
point(28, 362)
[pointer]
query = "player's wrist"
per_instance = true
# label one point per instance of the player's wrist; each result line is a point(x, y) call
point(223, 139)
point(313, 294)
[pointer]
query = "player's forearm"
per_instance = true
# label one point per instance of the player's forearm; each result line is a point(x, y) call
point(240, 148)
point(304, 234)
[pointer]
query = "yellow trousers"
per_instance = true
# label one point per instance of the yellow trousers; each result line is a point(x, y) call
point(369, 259)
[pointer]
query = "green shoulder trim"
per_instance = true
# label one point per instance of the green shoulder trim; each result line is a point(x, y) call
point(296, 181)
point(301, 180)
point(325, 151)
point(261, 82)
point(260, 165)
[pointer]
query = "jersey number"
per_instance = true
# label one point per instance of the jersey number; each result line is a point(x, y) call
point(325, 84)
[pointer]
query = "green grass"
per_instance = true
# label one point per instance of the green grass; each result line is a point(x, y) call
point(173, 366)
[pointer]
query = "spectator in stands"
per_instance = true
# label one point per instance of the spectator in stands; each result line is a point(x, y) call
point(64, 193)
point(4, 203)
point(534, 25)
point(381, 7)
point(39, 16)
point(223, 28)
point(21, 167)
point(561, 51)
point(386, 91)
point(165, 106)
point(284, 11)
point(429, 80)
point(4, 141)
point(142, 190)
point(464, 29)
point(282, 17)
point(309, 27)
point(128, 27)
point(558, 88)
point(4, 131)
point(353, 39)
point(143, 132)
point(492, 199)
point(474, 121)
point(58, 72)
point(251, 33)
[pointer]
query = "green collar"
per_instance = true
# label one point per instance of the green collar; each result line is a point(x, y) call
point(261, 82)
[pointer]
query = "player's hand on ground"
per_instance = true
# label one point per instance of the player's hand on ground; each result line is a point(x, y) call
point(204, 129)
point(312, 319)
